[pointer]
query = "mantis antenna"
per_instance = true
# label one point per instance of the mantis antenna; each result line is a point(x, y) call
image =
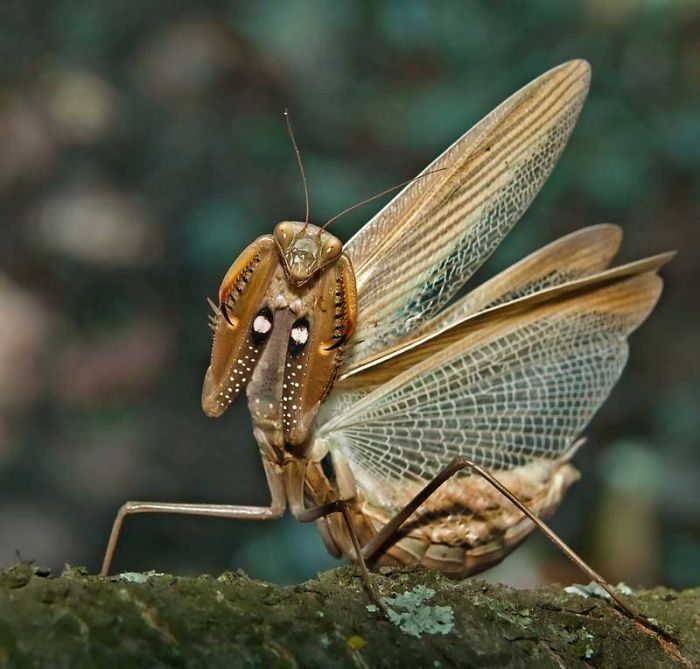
point(301, 165)
point(378, 195)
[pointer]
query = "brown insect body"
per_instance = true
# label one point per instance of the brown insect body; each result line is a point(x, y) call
point(360, 354)
point(300, 280)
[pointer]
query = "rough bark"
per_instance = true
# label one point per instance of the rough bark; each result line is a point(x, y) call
point(141, 620)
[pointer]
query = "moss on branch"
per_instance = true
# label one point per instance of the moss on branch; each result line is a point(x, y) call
point(141, 620)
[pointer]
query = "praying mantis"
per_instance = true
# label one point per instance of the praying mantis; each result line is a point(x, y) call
point(448, 424)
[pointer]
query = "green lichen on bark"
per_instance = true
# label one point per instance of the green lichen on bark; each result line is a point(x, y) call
point(77, 620)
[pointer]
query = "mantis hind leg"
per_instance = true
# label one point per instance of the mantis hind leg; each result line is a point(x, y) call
point(389, 531)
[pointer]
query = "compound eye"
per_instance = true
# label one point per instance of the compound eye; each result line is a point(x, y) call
point(331, 249)
point(299, 336)
point(262, 325)
point(284, 235)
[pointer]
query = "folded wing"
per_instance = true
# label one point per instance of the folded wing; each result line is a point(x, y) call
point(516, 294)
point(577, 255)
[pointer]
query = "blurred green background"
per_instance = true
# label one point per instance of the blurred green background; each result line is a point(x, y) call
point(142, 146)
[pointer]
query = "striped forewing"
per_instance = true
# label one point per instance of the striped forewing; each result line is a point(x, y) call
point(413, 256)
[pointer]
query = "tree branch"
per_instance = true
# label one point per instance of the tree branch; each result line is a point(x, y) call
point(76, 620)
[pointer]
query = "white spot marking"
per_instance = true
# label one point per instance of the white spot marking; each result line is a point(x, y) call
point(261, 325)
point(300, 335)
